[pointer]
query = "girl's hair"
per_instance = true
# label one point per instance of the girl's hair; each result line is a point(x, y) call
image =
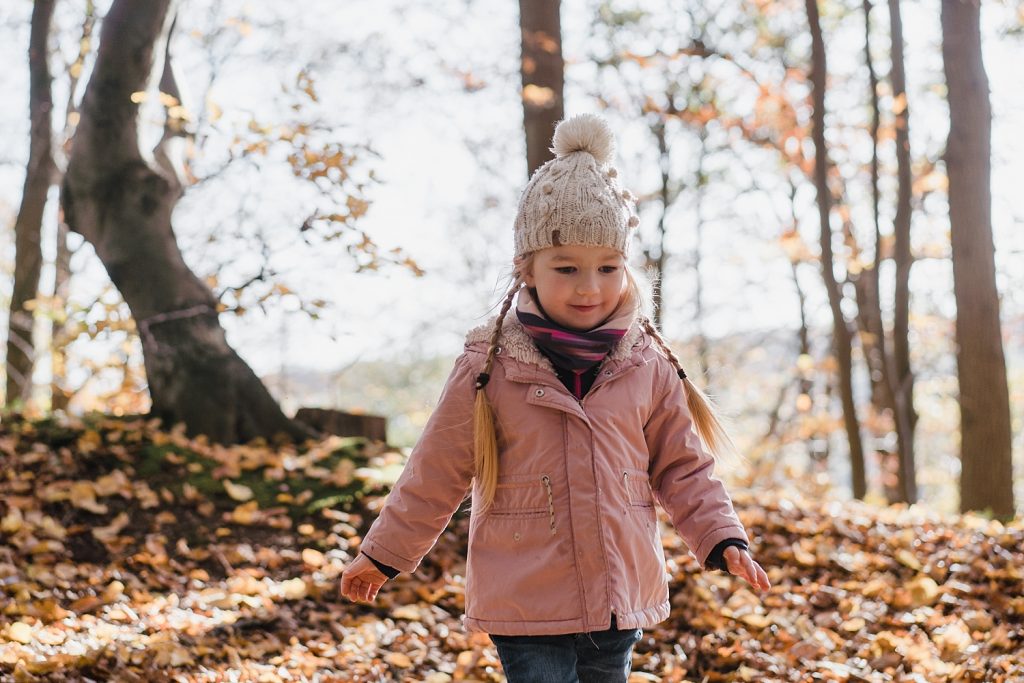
point(705, 416)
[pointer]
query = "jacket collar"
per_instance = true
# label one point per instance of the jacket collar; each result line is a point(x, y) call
point(516, 343)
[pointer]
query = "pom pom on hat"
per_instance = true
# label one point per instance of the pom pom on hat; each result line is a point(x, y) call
point(584, 133)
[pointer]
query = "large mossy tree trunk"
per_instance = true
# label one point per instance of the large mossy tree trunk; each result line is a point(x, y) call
point(121, 201)
point(986, 478)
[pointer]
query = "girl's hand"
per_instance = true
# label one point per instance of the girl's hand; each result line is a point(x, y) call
point(741, 564)
point(361, 580)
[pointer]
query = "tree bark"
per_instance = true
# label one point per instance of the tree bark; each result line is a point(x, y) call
point(121, 202)
point(657, 260)
point(28, 225)
point(543, 74)
point(986, 479)
point(901, 375)
point(869, 282)
point(841, 335)
point(62, 332)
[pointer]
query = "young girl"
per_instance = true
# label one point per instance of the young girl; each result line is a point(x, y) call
point(568, 420)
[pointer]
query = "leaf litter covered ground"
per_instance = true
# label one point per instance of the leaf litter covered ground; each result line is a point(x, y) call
point(132, 554)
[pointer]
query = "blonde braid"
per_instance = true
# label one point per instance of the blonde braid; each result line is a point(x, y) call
point(484, 434)
point(705, 416)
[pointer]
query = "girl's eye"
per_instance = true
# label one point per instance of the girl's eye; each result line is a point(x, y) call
point(609, 269)
point(566, 270)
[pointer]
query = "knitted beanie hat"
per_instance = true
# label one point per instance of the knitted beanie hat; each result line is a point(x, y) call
point(575, 198)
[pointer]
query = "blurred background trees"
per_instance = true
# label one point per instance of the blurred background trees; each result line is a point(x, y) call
point(838, 268)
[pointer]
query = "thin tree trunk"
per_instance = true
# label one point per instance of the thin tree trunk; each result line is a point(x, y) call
point(60, 393)
point(28, 225)
point(61, 333)
point(542, 69)
point(868, 282)
point(701, 185)
point(986, 479)
point(657, 260)
point(842, 337)
point(902, 376)
point(122, 205)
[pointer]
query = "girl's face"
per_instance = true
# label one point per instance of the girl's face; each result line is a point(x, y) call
point(578, 287)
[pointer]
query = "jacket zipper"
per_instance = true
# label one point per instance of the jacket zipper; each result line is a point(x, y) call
point(551, 503)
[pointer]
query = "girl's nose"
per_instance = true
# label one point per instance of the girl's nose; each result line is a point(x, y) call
point(587, 284)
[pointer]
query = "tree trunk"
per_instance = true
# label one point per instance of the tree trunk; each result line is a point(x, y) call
point(868, 282)
point(986, 479)
point(542, 70)
point(698, 209)
point(122, 204)
point(656, 260)
point(28, 225)
point(60, 393)
point(842, 337)
point(901, 375)
point(61, 332)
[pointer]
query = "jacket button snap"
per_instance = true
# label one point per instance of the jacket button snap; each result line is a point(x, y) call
point(516, 536)
point(539, 392)
point(607, 372)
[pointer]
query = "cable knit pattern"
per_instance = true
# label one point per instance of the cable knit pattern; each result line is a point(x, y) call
point(575, 195)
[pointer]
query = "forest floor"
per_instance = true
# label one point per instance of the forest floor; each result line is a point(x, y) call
point(132, 554)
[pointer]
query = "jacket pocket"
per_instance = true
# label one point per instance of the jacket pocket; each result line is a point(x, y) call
point(520, 496)
point(638, 488)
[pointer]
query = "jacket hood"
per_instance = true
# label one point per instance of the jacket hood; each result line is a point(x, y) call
point(516, 341)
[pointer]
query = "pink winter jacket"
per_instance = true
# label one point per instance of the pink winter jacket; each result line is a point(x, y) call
point(572, 535)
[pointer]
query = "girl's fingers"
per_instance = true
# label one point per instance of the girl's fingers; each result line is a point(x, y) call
point(741, 564)
point(346, 585)
point(361, 580)
point(763, 575)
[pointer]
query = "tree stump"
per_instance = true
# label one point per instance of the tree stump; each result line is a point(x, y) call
point(340, 423)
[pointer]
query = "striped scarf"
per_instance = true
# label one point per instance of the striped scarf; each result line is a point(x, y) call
point(576, 351)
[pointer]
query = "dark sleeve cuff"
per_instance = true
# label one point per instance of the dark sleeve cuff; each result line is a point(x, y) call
point(390, 572)
point(716, 558)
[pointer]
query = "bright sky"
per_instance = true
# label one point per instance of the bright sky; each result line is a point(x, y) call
point(434, 184)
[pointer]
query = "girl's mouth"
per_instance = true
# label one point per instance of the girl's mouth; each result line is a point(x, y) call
point(584, 309)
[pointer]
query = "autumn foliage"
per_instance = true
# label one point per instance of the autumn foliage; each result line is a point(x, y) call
point(134, 554)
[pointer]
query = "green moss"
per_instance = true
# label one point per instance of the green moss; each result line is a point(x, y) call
point(198, 471)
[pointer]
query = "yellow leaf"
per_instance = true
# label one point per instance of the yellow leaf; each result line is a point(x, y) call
point(109, 484)
point(113, 591)
point(20, 632)
point(108, 533)
point(924, 591)
point(12, 521)
point(293, 589)
point(238, 492)
point(246, 513)
point(908, 559)
point(398, 659)
point(759, 621)
point(853, 625)
point(313, 557)
point(407, 612)
point(83, 495)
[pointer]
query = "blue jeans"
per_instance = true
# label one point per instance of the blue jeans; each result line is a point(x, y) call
point(594, 657)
